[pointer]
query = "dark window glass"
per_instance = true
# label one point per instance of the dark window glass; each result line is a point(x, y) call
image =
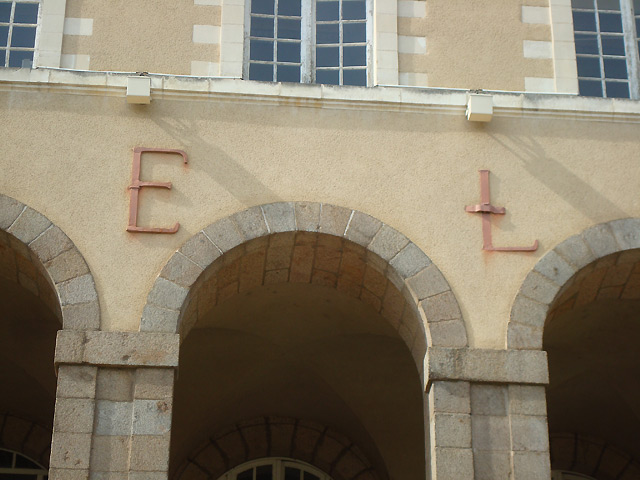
point(354, 77)
point(23, 462)
point(584, 21)
point(327, 33)
point(246, 475)
point(617, 89)
point(354, 32)
point(609, 5)
point(330, 77)
point(354, 10)
point(261, 50)
point(289, 7)
point(23, 37)
point(288, 73)
point(289, 52)
point(327, 11)
point(354, 56)
point(310, 476)
point(265, 472)
point(5, 457)
point(262, 27)
point(289, 28)
point(615, 68)
point(3, 57)
point(4, 35)
point(589, 67)
point(586, 43)
point(327, 56)
point(26, 13)
point(638, 22)
point(636, 5)
point(20, 59)
point(5, 12)
point(291, 473)
point(262, 6)
point(259, 71)
point(582, 3)
point(590, 88)
point(610, 22)
point(611, 45)
point(11, 476)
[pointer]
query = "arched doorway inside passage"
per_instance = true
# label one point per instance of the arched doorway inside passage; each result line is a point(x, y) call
point(313, 261)
point(40, 270)
point(580, 305)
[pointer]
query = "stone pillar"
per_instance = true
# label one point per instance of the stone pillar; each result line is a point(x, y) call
point(113, 405)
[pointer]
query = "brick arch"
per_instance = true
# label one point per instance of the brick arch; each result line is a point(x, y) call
point(308, 441)
point(28, 239)
point(438, 320)
point(24, 436)
point(554, 274)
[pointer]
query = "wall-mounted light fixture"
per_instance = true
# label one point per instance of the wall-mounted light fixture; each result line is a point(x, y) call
point(139, 89)
point(479, 107)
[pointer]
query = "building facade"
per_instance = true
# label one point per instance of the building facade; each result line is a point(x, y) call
point(319, 239)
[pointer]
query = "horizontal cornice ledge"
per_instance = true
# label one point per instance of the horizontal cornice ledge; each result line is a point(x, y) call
point(385, 98)
point(487, 366)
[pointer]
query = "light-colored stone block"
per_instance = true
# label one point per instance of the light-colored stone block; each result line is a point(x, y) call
point(488, 399)
point(77, 290)
point(527, 400)
point(280, 217)
point(109, 454)
point(206, 34)
point(412, 45)
point(490, 432)
point(537, 49)
point(539, 85)
point(601, 240)
point(115, 384)
point(531, 466)
point(78, 26)
point(452, 463)
point(181, 270)
point(205, 69)
point(409, 261)
point(536, 15)
point(428, 282)
point(67, 265)
point(158, 319)
point(412, 9)
point(149, 453)
point(413, 79)
point(529, 433)
point(251, 223)
point(555, 268)
point(70, 450)
point(307, 216)
point(76, 381)
point(491, 465)
point(362, 228)
point(334, 220)
point(451, 430)
point(113, 418)
point(74, 415)
point(151, 417)
point(450, 397)
point(29, 225)
point(10, 210)
point(167, 294)
point(154, 383)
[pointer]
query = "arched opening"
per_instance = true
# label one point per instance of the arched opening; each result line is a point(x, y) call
point(591, 335)
point(29, 320)
point(298, 345)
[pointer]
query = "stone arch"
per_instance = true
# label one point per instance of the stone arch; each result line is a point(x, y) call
point(35, 238)
point(400, 260)
point(308, 441)
point(549, 277)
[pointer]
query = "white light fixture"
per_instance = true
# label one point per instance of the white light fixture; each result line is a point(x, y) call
point(139, 89)
point(479, 107)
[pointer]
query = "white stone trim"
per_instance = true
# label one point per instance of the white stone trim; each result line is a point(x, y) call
point(232, 38)
point(213, 3)
point(537, 49)
point(539, 85)
point(536, 15)
point(411, 44)
point(385, 53)
point(76, 62)
point(412, 9)
point(205, 69)
point(413, 79)
point(564, 50)
point(78, 26)
point(209, 34)
point(49, 45)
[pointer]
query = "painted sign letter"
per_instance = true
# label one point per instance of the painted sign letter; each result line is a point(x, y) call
point(137, 185)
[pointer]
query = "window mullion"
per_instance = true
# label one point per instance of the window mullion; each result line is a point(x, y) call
point(307, 41)
point(631, 47)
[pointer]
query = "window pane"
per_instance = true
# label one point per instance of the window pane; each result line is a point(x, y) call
point(354, 77)
point(590, 88)
point(289, 52)
point(5, 12)
point(612, 45)
point(354, 32)
point(329, 77)
point(4, 35)
point(636, 6)
point(354, 56)
point(20, 59)
point(6, 458)
point(292, 473)
point(610, 22)
point(327, 56)
point(289, 7)
point(617, 90)
point(246, 475)
point(609, 5)
point(262, 6)
point(3, 57)
point(327, 33)
point(586, 43)
point(588, 67)
point(310, 476)
point(288, 28)
point(259, 71)
point(615, 68)
point(582, 3)
point(327, 11)
point(23, 462)
point(354, 10)
point(638, 23)
point(26, 13)
point(23, 37)
point(584, 21)
point(261, 50)
point(262, 27)
point(264, 473)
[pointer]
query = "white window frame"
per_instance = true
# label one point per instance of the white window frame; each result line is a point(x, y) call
point(631, 49)
point(279, 464)
point(11, 24)
point(308, 42)
point(40, 472)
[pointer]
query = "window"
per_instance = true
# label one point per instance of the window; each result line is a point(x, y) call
point(16, 466)
point(606, 39)
point(18, 24)
point(308, 41)
point(275, 469)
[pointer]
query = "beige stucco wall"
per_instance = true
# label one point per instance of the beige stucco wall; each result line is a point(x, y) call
point(69, 157)
point(141, 36)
